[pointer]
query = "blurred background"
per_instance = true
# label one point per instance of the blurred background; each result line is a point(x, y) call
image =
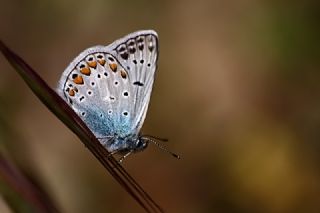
point(237, 94)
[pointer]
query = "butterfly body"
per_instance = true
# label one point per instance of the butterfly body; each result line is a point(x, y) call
point(109, 87)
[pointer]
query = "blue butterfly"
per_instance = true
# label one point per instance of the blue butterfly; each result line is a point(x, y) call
point(109, 87)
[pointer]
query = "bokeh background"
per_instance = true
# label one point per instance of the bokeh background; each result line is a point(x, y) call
point(237, 93)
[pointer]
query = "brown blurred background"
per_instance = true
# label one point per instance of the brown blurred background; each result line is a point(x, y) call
point(237, 94)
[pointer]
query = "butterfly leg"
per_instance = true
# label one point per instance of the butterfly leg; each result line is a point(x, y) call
point(124, 156)
point(112, 154)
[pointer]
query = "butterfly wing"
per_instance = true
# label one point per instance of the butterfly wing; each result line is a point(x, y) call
point(138, 53)
point(109, 87)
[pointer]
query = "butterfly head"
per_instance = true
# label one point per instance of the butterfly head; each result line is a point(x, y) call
point(141, 144)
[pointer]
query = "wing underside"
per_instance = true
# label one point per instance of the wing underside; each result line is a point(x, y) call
point(110, 86)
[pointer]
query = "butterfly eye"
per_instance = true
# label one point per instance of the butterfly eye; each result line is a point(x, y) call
point(141, 144)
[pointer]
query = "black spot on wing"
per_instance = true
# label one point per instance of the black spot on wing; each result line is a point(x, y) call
point(138, 83)
point(124, 55)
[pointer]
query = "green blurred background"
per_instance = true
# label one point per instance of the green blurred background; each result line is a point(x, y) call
point(237, 93)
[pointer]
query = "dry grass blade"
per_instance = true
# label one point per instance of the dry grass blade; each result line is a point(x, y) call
point(22, 193)
point(56, 105)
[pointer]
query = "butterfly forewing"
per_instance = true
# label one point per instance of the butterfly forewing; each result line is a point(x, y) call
point(138, 53)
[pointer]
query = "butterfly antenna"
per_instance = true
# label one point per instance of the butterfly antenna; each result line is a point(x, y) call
point(151, 139)
point(156, 138)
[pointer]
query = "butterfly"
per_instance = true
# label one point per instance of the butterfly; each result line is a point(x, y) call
point(109, 87)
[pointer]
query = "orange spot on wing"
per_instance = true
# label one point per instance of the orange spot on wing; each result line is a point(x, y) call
point(92, 64)
point(85, 71)
point(123, 74)
point(113, 67)
point(78, 80)
point(71, 92)
point(102, 61)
